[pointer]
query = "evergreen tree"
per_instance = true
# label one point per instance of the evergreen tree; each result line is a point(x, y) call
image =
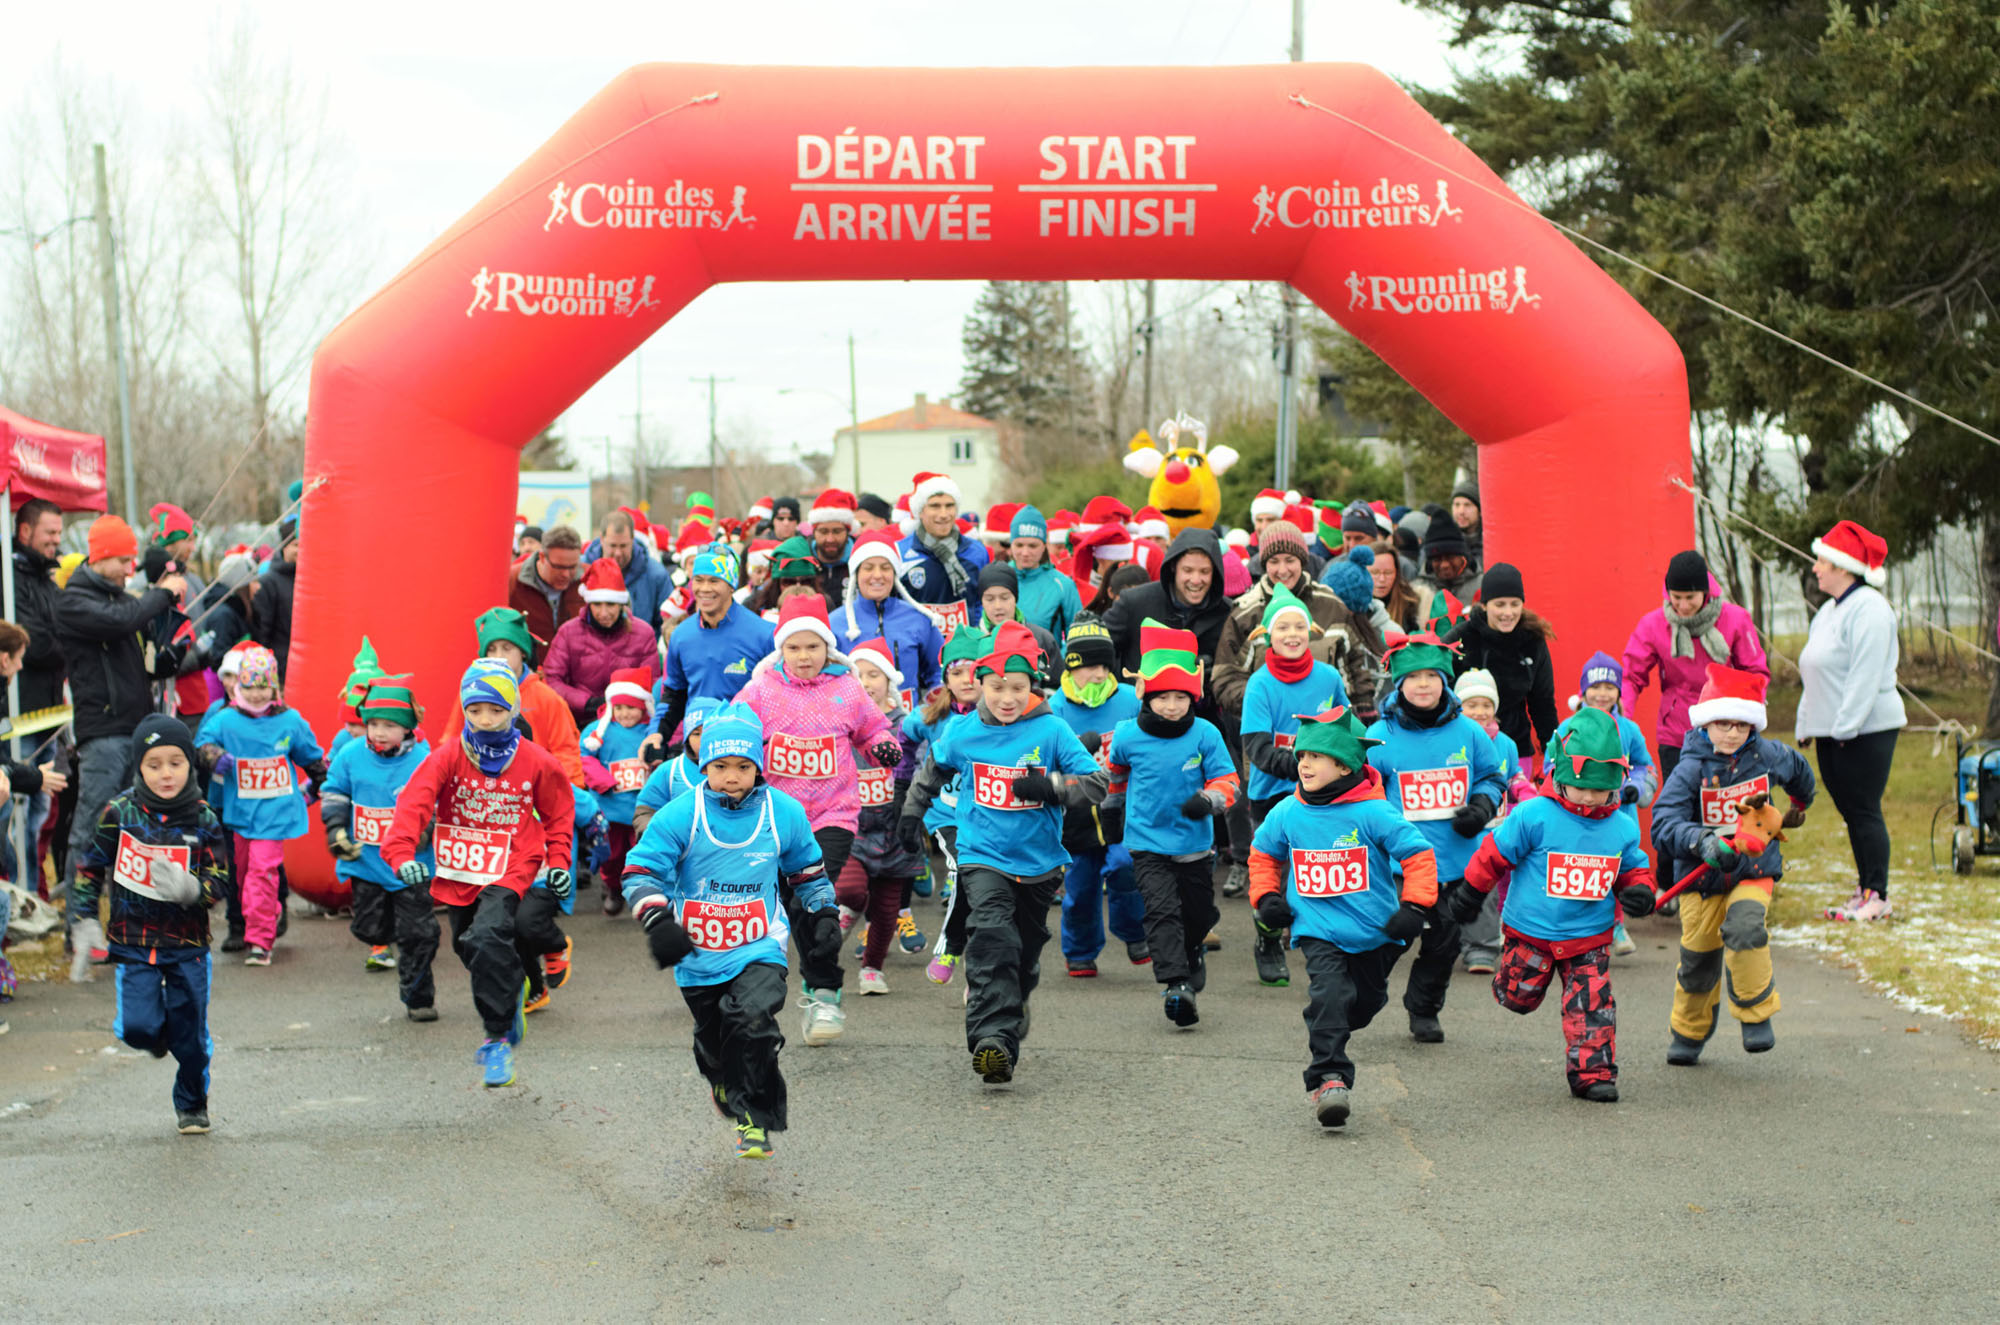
point(1020, 366)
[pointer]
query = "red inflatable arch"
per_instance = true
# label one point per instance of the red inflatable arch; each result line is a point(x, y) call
point(679, 177)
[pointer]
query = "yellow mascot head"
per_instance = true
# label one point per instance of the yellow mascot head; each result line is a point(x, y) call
point(1185, 473)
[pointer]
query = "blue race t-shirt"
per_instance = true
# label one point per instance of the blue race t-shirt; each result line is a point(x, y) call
point(261, 797)
point(714, 662)
point(1271, 705)
point(371, 782)
point(1020, 838)
point(1161, 772)
point(1565, 868)
point(1341, 863)
point(1428, 772)
point(618, 751)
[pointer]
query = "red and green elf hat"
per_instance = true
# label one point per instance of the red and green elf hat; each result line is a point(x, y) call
point(1013, 649)
point(965, 644)
point(1169, 660)
point(1326, 524)
point(391, 701)
point(1446, 611)
point(367, 668)
point(169, 522)
point(1417, 653)
point(1589, 754)
point(1337, 734)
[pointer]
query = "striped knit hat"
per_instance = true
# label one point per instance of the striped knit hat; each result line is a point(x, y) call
point(1169, 660)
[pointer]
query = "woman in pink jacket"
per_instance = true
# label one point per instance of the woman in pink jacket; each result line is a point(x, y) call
point(1691, 629)
point(602, 639)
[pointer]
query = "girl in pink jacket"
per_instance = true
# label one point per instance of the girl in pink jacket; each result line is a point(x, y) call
point(1691, 629)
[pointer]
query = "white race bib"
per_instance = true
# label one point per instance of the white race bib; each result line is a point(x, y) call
point(264, 779)
point(1433, 793)
point(477, 856)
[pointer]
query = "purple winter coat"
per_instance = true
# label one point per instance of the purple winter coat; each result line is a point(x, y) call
point(582, 658)
point(1681, 679)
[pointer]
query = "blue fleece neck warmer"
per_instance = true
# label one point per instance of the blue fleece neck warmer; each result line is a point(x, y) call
point(492, 751)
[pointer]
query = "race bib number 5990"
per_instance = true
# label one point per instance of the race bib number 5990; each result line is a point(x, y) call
point(1580, 878)
point(809, 758)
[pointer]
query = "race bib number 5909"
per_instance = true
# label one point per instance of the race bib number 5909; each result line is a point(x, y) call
point(1580, 878)
point(1329, 871)
point(1433, 793)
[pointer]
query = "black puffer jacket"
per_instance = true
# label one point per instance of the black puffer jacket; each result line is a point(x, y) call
point(271, 611)
point(1519, 661)
point(98, 626)
point(35, 595)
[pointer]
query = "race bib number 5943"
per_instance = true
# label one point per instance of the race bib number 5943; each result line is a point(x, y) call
point(1580, 878)
point(1329, 871)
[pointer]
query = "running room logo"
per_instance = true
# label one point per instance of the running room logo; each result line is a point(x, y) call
point(1337, 206)
point(536, 295)
point(636, 206)
point(1459, 291)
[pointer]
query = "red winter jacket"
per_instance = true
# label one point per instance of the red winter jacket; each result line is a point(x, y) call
point(495, 831)
point(583, 657)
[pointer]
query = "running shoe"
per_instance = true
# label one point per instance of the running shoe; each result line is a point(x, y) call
point(422, 1014)
point(992, 1062)
point(908, 934)
point(942, 968)
point(1426, 1030)
point(1597, 1092)
point(922, 885)
point(861, 944)
point(1238, 881)
point(1331, 1103)
point(1199, 976)
point(257, 956)
point(1179, 1004)
point(848, 915)
point(234, 942)
point(1269, 954)
point(1139, 953)
point(520, 1026)
point(823, 1021)
point(752, 1142)
point(555, 965)
point(1846, 909)
point(1213, 942)
point(614, 900)
point(381, 957)
point(1683, 1052)
point(1480, 963)
point(191, 1122)
point(1621, 942)
point(1873, 907)
point(536, 1001)
point(1082, 968)
point(872, 981)
point(496, 1061)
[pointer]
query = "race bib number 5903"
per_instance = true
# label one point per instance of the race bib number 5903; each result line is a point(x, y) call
point(1329, 871)
point(1580, 878)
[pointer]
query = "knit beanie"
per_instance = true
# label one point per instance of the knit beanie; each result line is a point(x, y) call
point(1028, 523)
point(1687, 573)
point(715, 561)
point(1284, 536)
point(111, 537)
point(875, 506)
point(1468, 489)
point(999, 574)
point(1350, 581)
point(1442, 538)
point(158, 729)
point(1477, 683)
point(785, 506)
point(1358, 519)
point(1502, 580)
point(1088, 644)
point(1283, 600)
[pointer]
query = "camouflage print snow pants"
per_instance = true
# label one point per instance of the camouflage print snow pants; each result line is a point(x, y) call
point(1589, 1016)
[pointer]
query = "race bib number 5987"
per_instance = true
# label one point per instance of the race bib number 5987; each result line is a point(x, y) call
point(477, 856)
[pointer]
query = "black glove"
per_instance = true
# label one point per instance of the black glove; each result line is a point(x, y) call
point(1463, 902)
point(1406, 924)
point(1629, 794)
point(665, 936)
point(1201, 805)
point(1472, 816)
point(561, 885)
point(1717, 852)
point(826, 936)
point(910, 833)
point(1716, 883)
point(1090, 740)
point(1111, 823)
point(1035, 785)
point(1637, 899)
point(1274, 912)
point(886, 754)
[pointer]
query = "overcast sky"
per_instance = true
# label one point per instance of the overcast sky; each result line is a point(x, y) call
point(438, 102)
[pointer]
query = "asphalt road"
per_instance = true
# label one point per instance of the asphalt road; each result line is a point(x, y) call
point(1132, 1173)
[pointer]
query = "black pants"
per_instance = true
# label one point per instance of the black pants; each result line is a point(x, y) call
point(1007, 926)
point(401, 916)
point(1669, 756)
point(1430, 969)
point(736, 1041)
point(1345, 991)
point(482, 935)
point(537, 930)
point(834, 846)
point(954, 915)
point(1180, 909)
point(1855, 773)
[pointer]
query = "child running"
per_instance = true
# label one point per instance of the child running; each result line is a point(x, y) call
point(675, 777)
point(159, 848)
point(1290, 683)
point(1172, 774)
point(613, 763)
point(501, 811)
point(1570, 853)
point(1323, 865)
point(357, 805)
point(711, 884)
point(959, 660)
point(1018, 766)
point(1602, 687)
point(887, 869)
point(1479, 699)
point(250, 746)
point(1099, 879)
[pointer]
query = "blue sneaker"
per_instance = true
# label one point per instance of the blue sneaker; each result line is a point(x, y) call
point(908, 934)
point(520, 1026)
point(497, 1057)
point(921, 885)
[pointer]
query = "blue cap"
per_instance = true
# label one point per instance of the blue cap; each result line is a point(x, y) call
point(733, 732)
point(698, 711)
point(717, 560)
point(490, 681)
point(1028, 523)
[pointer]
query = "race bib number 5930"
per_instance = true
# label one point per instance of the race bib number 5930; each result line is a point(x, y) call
point(718, 926)
point(1329, 871)
point(1580, 878)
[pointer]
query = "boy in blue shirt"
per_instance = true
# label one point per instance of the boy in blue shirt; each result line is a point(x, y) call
point(1602, 687)
point(1323, 865)
point(1172, 774)
point(708, 884)
point(675, 777)
point(1019, 766)
point(1570, 853)
point(614, 764)
point(1099, 878)
point(357, 804)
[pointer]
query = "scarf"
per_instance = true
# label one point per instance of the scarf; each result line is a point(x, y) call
point(1335, 789)
point(1412, 716)
point(263, 710)
point(1153, 724)
point(946, 551)
point(491, 750)
point(183, 808)
point(1286, 669)
point(1687, 629)
point(1091, 696)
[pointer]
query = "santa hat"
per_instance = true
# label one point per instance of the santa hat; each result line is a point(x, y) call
point(1106, 542)
point(872, 545)
point(1382, 520)
point(965, 526)
point(1301, 517)
point(904, 520)
point(1856, 551)
point(1149, 556)
point(640, 525)
point(693, 537)
point(875, 652)
point(631, 685)
point(603, 582)
point(1147, 522)
point(833, 507)
point(802, 612)
point(1236, 539)
point(999, 524)
point(760, 510)
point(1733, 695)
point(927, 485)
point(1060, 525)
point(760, 551)
point(1268, 502)
point(1100, 511)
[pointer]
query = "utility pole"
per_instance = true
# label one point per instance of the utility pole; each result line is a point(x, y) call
point(114, 337)
point(1146, 400)
point(712, 379)
point(1288, 422)
point(638, 438)
point(853, 414)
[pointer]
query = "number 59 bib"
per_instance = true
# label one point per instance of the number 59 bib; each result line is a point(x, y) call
point(1433, 793)
point(477, 856)
point(1574, 877)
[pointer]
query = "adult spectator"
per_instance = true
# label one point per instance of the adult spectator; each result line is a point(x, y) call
point(1407, 605)
point(38, 528)
point(544, 589)
point(1048, 597)
point(527, 545)
point(871, 512)
point(271, 609)
point(97, 626)
point(647, 579)
point(38, 780)
point(710, 655)
point(1265, 507)
point(832, 521)
point(1357, 526)
point(1850, 709)
point(878, 606)
point(941, 566)
point(1502, 636)
point(784, 517)
point(1692, 628)
point(1447, 562)
point(1465, 514)
point(602, 639)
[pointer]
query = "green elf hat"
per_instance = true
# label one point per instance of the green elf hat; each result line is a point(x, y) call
point(1326, 524)
point(1589, 754)
point(1283, 600)
point(1337, 734)
point(1012, 648)
point(1169, 660)
point(504, 623)
point(793, 559)
point(1418, 653)
point(367, 668)
point(169, 522)
point(391, 701)
point(701, 507)
point(966, 644)
point(1445, 612)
